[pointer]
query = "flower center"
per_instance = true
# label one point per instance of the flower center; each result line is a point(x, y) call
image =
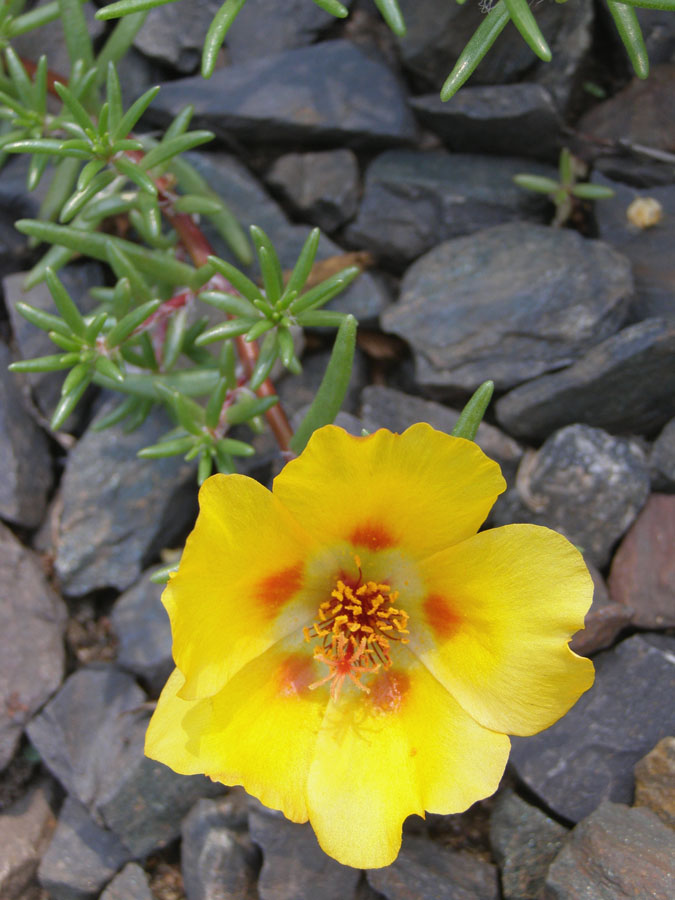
point(356, 626)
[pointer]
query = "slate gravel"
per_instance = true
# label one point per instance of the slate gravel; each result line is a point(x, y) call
point(517, 301)
point(336, 123)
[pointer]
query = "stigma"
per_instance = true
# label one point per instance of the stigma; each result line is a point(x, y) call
point(356, 626)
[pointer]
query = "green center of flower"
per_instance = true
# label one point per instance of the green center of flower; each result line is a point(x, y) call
point(356, 625)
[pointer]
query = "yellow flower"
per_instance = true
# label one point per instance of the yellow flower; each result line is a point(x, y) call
point(350, 649)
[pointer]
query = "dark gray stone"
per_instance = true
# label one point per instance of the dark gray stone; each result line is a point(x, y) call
point(32, 655)
point(436, 36)
point(174, 34)
point(589, 754)
point(322, 187)
point(383, 407)
point(648, 249)
point(218, 859)
point(662, 459)
point(32, 341)
point(81, 857)
point(617, 853)
point(414, 200)
point(584, 483)
point(143, 633)
point(17, 202)
point(77, 732)
point(424, 870)
point(524, 841)
point(365, 298)
point(658, 30)
point(119, 510)
point(505, 119)
point(25, 461)
point(294, 866)
point(130, 884)
point(25, 830)
point(642, 113)
point(626, 385)
point(142, 801)
point(604, 620)
point(264, 27)
point(642, 575)
point(302, 100)
point(508, 303)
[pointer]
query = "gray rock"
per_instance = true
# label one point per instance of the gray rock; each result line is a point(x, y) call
point(425, 870)
point(524, 841)
point(81, 857)
point(508, 303)
point(130, 884)
point(174, 34)
point(263, 27)
point(365, 298)
point(436, 37)
point(626, 385)
point(642, 113)
point(659, 34)
point(648, 249)
point(414, 200)
point(584, 483)
point(218, 860)
point(589, 754)
point(143, 633)
point(642, 575)
point(142, 801)
point(617, 853)
point(119, 510)
point(655, 781)
point(383, 407)
point(17, 202)
point(294, 866)
point(505, 119)
point(32, 656)
point(25, 461)
point(25, 830)
point(78, 731)
point(604, 620)
point(303, 101)
point(662, 459)
point(32, 341)
point(322, 187)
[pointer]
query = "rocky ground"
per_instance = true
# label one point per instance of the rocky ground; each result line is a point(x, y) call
point(577, 329)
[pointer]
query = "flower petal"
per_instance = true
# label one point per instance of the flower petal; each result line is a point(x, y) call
point(495, 623)
point(405, 747)
point(422, 490)
point(240, 586)
point(259, 731)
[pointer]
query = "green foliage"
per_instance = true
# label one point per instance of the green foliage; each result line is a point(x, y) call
point(568, 188)
point(497, 16)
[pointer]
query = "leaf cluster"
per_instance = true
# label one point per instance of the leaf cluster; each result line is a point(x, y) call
point(149, 337)
point(567, 189)
point(498, 15)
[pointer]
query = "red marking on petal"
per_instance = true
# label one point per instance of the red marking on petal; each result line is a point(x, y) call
point(388, 691)
point(440, 615)
point(372, 536)
point(296, 673)
point(276, 590)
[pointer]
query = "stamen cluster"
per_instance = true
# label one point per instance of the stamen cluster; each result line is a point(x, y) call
point(357, 624)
